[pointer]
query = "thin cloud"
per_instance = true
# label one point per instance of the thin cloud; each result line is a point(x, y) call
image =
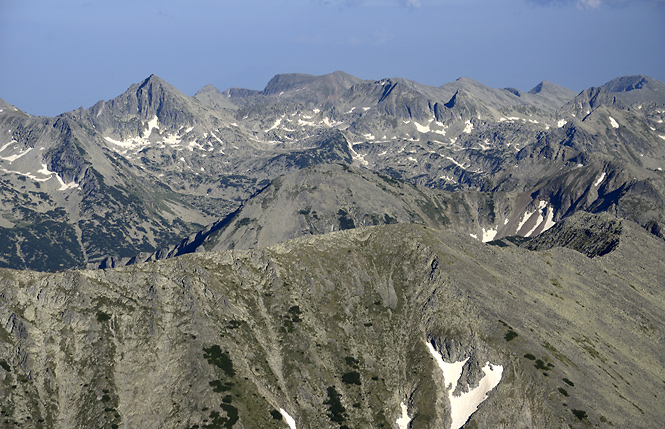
point(589, 4)
point(410, 3)
point(586, 4)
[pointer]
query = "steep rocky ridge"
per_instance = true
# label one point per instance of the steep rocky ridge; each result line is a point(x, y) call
point(333, 330)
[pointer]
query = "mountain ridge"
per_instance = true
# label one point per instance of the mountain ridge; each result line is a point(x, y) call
point(153, 165)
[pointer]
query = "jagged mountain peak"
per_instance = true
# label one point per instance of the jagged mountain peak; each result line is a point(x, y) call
point(154, 97)
point(154, 84)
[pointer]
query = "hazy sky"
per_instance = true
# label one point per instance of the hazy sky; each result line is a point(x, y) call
point(57, 55)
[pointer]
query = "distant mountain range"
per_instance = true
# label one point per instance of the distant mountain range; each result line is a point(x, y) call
point(332, 252)
point(128, 179)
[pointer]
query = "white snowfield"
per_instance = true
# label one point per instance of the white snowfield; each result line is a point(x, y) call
point(468, 127)
point(290, 420)
point(464, 405)
point(600, 180)
point(49, 175)
point(14, 157)
point(614, 123)
point(275, 125)
point(403, 422)
point(489, 234)
point(561, 123)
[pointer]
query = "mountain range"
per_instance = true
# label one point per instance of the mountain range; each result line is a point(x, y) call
point(334, 252)
point(137, 174)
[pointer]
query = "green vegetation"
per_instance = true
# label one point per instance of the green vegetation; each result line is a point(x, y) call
point(352, 377)
point(218, 386)
point(541, 365)
point(352, 362)
point(580, 414)
point(570, 383)
point(103, 317)
point(4, 365)
point(563, 391)
point(222, 360)
point(510, 335)
point(336, 411)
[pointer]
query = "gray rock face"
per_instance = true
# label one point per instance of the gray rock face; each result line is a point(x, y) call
point(637, 89)
point(138, 173)
point(333, 330)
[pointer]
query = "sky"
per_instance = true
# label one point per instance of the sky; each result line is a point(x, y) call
point(57, 55)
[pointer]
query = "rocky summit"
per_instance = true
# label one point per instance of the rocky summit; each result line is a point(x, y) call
point(333, 252)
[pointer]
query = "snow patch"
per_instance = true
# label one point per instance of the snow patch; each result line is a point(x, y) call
point(613, 123)
point(422, 128)
point(64, 186)
point(525, 218)
point(464, 405)
point(489, 234)
point(662, 137)
point(549, 220)
point(366, 108)
point(13, 158)
point(561, 123)
point(152, 124)
point(275, 125)
point(600, 180)
point(455, 162)
point(474, 236)
point(412, 159)
point(469, 127)
point(308, 123)
point(289, 420)
point(6, 145)
point(403, 422)
point(316, 110)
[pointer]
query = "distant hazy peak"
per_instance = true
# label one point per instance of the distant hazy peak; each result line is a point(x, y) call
point(289, 81)
point(208, 89)
point(468, 81)
point(546, 86)
point(629, 83)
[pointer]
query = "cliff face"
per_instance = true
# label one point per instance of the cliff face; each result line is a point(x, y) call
point(341, 330)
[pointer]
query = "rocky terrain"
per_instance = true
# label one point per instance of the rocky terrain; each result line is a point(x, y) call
point(135, 175)
point(331, 252)
point(342, 330)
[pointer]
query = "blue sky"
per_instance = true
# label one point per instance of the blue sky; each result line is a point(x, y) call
point(57, 55)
